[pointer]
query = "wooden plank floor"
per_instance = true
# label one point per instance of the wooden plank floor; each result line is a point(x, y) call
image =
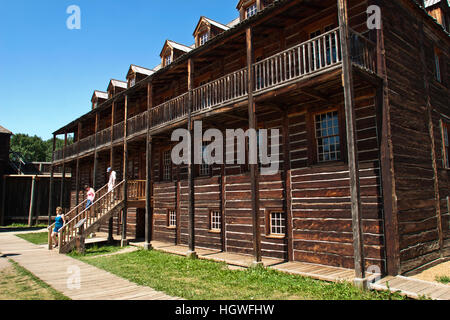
point(315, 271)
point(413, 288)
point(57, 269)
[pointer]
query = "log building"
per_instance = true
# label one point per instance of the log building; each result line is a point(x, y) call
point(363, 115)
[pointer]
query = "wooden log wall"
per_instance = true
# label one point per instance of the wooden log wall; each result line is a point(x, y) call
point(418, 216)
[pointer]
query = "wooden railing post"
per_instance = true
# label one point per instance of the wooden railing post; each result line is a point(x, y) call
point(254, 174)
point(355, 193)
point(32, 201)
point(63, 173)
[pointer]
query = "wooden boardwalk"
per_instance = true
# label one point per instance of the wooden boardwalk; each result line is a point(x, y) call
point(73, 278)
point(413, 288)
point(321, 272)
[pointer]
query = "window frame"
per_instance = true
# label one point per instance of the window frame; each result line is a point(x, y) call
point(269, 233)
point(312, 136)
point(438, 66)
point(246, 10)
point(210, 220)
point(162, 171)
point(201, 38)
point(169, 220)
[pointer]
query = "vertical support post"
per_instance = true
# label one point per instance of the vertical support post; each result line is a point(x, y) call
point(355, 193)
point(148, 175)
point(32, 200)
point(63, 173)
point(223, 183)
point(124, 241)
point(191, 205)
point(77, 170)
point(50, 194)
point(287, 184)
point(111, 164)
point(254, 174)
point(387, 165)
point(94, 178)
point(3, 213)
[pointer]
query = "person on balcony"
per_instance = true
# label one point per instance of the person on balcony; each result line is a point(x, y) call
point(59, 223)
point(111, 181)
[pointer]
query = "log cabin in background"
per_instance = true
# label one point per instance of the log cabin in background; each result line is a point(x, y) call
point(363, 117)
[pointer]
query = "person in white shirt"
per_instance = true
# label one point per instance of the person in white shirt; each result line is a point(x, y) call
point(112, 179)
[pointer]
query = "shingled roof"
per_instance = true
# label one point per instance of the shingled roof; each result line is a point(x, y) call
point(4, 130)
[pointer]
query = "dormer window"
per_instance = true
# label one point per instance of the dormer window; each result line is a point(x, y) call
point(251, 10)
point(167, 60)
point(131, 81)
point(204, 37)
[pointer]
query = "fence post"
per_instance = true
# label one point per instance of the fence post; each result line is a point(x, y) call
point(32, 197)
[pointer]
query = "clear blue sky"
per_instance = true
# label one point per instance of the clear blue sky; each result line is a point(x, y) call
point(48, 72)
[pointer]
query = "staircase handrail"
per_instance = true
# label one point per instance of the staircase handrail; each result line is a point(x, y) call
point(70, 213)
point(82, 214)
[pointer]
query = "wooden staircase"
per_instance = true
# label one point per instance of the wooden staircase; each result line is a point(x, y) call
point(106, 205)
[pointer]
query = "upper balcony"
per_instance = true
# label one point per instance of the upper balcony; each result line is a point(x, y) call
point(313, 57)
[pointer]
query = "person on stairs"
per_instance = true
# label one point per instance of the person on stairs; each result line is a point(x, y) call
point(59, 223)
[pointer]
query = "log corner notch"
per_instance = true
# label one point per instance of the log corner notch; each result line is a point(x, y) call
point(387, 163)
point(355, 193)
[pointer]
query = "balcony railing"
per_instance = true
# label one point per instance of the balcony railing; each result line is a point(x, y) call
point(311, 57)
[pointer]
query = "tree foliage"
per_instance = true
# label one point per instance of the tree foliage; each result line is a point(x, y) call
point(33, 148)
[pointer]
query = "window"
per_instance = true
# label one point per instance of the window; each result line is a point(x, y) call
point(131, 82)
point(215, 220)
point(445, 156)
point(167, 165)
point(172, 218)
point(205, 169)
point(327, 136)
point(277, 223)
point(437, 63)
point(167, 60)
point(203, 38)
point(251, 11)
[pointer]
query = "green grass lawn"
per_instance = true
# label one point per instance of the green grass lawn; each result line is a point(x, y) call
point(95, 250)
point(443, 279)
point(35, 237)
point(17, 283)
point(207, 280)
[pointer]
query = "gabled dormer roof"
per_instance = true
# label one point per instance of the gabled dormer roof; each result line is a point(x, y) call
point(205, 20)
point(243, 2)
point(174, 45)
point(99, 95)
point(117, 83)
point(139, 70)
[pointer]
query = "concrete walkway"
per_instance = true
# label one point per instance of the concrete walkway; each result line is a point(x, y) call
point(73, 278)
